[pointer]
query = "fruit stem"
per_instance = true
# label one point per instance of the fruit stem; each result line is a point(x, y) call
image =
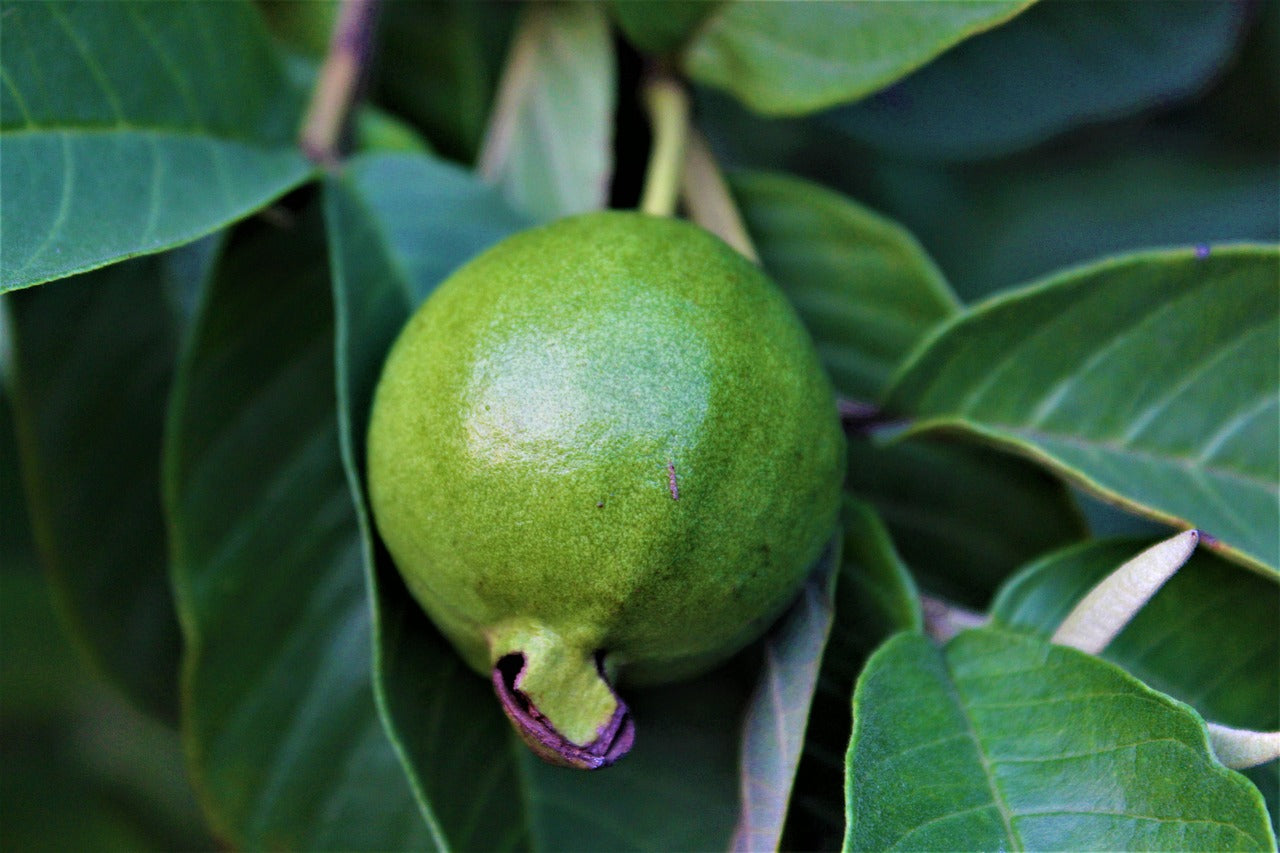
point(335, 89)
point(668, 105)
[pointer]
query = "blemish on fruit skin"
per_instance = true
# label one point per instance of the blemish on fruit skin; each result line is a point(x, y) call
point(671, 481)
point(1202, 251)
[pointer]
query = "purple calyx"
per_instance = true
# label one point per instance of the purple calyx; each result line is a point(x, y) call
point(613, 739)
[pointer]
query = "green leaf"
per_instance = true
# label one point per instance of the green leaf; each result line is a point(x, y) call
point(281, 730)
point(779, 710)
point(964, 517)
point(398, 224)
point(549, 143)
point(1210, 637)
point(437, 65)
point(1003, 741)
point(660, 26)
point(1058, 66)
point(130, 127)
point(788, 59)
point(875, 597)
point(994, 225)
point(1153, 380)
point(864, 287)
point(92, 363)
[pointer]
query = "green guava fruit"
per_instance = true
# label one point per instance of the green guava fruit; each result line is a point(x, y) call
point(603, 449)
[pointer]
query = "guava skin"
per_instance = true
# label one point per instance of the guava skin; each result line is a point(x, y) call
point(607, 446)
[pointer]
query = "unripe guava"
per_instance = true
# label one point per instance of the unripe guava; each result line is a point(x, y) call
point(602, 449)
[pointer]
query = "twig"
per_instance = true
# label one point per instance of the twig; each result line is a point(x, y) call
point(668, 106)
point(708, 200)
point(335, 90)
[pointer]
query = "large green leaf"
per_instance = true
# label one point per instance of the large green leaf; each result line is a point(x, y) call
point(550, 137)
point(863, 286)
point(994, 225)
point(398, 224)
point(282, 734)
point(129, 127)
point(1210, 637)
point(1153, 380)
point(1002, 741)
point(963, 517)
point(1060, 65)
point(787, 59)
point(875, 597)
point(93, 359)
point(437, 64)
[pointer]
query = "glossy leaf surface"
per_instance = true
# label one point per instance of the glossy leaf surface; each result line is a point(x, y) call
point(787, 59)
point(549, 142)
point(1055, 67)
point(863, 285)
point(1001, 740)
point(1153, 380)
point(283, 738)
point(130, 127)
point(93, 360)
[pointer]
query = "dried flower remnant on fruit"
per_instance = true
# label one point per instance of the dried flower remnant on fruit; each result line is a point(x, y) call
point(672, 485)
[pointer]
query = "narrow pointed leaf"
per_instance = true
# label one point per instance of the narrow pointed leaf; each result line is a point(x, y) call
point(549, 143)
point(1152, 380)
point(864, 287)
point(1002, 741)
point(773, 732)
point(130, 127)
point(1058, 66)
point(92, 363)
point(875, 597)
point(398, 224)
point(283, 738)
point(788, 59)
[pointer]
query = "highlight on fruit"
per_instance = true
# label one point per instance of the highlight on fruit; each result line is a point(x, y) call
point(603, 455)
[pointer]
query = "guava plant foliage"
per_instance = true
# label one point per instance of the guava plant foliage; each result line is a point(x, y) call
point(1034, 243)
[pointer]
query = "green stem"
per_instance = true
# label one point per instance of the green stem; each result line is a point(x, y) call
point(335, 90)
point(668, 106)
